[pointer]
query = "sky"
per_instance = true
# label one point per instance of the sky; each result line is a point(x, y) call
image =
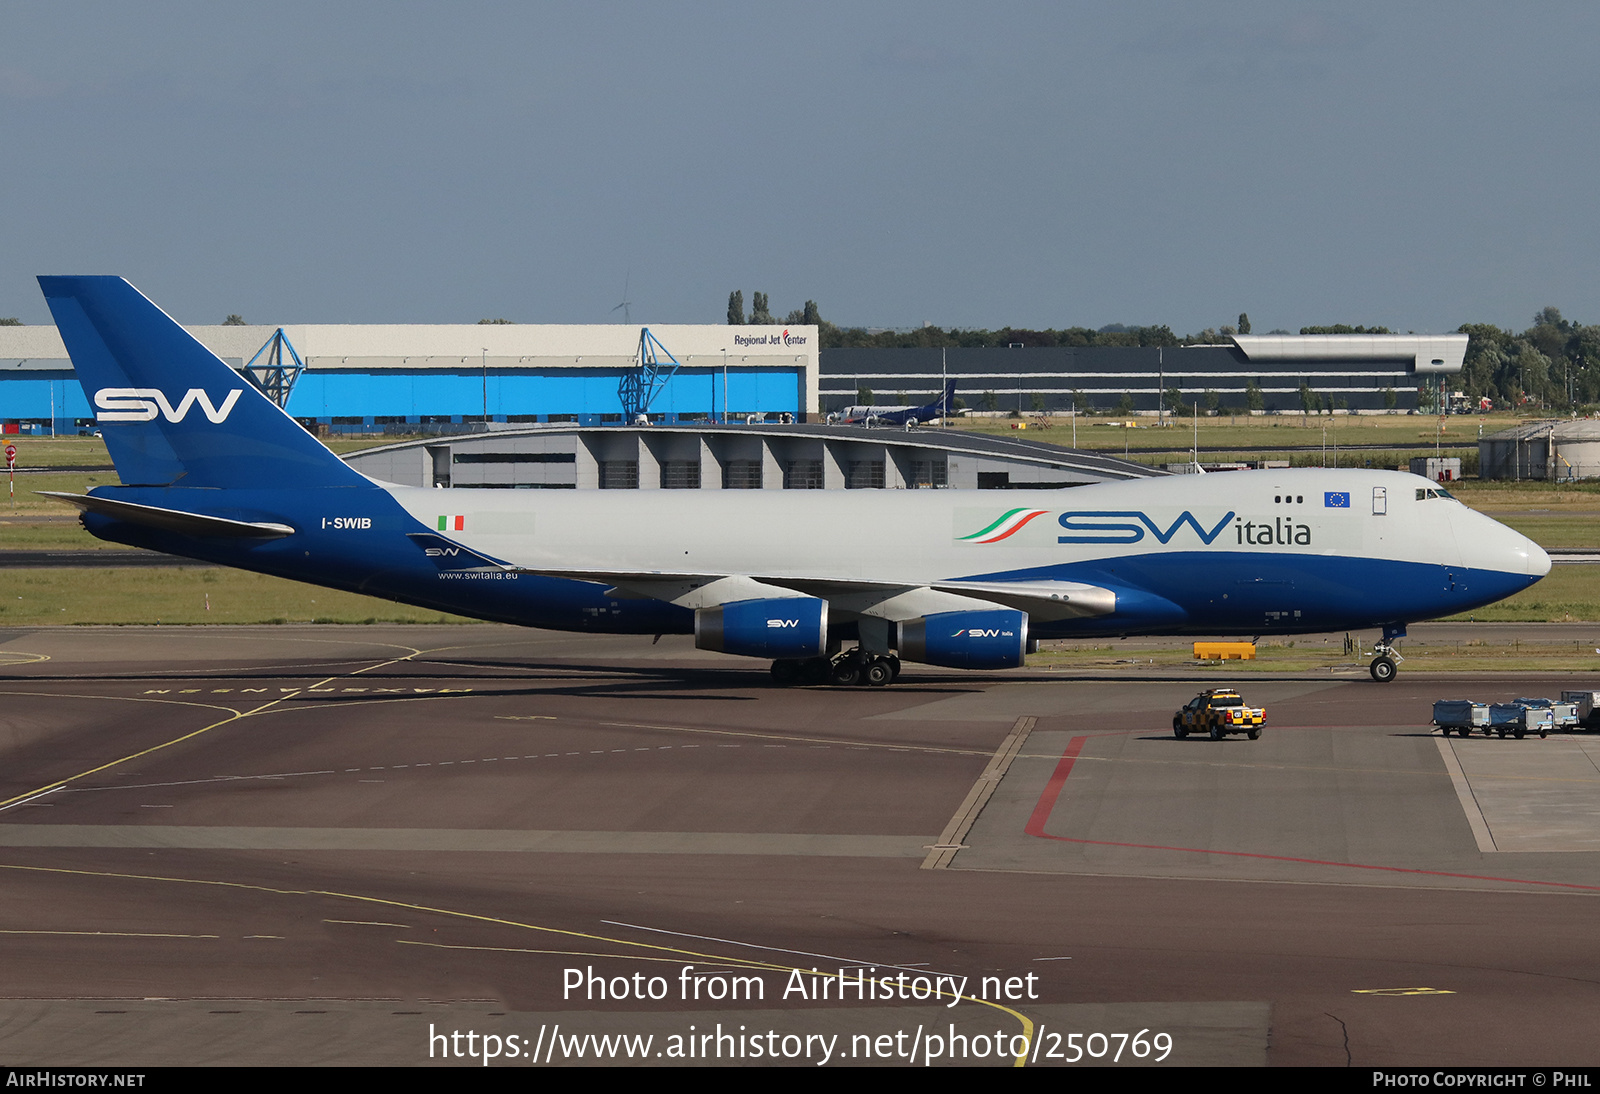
point(1414, 165)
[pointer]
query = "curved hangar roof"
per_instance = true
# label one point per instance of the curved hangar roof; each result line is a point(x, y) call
point(1427, 352)
point(765, 457)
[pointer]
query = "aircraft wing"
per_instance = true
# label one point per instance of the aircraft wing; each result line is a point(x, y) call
point(895, 601)
point(1041, 599)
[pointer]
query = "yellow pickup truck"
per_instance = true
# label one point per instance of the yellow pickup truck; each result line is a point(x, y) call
point(1218, 712)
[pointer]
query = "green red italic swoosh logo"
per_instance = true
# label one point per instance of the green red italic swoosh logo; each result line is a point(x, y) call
point(1008, 525)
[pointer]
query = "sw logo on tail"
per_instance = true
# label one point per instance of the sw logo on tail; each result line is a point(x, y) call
point(140, 404)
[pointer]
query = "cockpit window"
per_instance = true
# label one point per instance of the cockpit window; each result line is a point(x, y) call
point(1423, 494)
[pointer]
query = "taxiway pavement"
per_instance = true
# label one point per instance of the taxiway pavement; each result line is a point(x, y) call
point(333, 844)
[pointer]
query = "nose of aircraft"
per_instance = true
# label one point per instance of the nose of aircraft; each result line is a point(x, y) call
point(1538, 560)
point(1526, 556)
point(1487, 545)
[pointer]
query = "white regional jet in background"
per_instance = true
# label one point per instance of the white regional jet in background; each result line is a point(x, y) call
point(211, 469)
point(936, 411)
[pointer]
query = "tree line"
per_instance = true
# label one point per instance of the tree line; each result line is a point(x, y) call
point(1554, 364)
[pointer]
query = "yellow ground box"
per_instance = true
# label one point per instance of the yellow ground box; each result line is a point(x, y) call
point(1224, 651)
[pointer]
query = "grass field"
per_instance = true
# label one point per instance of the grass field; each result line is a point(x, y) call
point(1568, 594)
point(29, 503)
point(56, 535)
point(31, 598)
point(59, 451)
point(1502, 497)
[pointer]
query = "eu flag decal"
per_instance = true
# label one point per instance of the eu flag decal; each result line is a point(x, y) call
point(1336, 499)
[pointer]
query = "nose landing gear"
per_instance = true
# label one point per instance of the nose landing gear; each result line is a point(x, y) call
point(1383, 667)
point(1386, 664)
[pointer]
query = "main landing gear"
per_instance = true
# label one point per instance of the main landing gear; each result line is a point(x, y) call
point(848, 669)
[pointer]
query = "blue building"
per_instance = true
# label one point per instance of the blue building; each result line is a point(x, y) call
point(361, 378)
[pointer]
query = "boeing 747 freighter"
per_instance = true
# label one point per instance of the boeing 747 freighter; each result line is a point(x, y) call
point(211, 469)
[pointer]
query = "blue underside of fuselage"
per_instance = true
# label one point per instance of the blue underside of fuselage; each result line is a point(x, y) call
point(1191, 592)
point(1253, 592)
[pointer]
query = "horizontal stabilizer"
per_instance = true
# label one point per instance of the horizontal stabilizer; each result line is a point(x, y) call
point(173, 520)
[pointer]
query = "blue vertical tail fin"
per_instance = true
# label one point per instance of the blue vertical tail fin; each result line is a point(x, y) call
point(171, 412)
point(940, 407)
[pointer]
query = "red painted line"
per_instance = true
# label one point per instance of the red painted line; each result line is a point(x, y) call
point(1052, 791)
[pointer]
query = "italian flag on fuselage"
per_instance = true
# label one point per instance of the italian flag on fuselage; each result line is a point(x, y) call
point(1008, 525)
point(456, 523)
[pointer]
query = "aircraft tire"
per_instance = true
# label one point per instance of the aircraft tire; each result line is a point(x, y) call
point(785, 672)
point(846, 673)
point(814, 670)
point(878, 673)
point(1383, 669)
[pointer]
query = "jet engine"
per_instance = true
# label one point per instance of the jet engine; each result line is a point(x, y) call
point(995, 639)
point(777, 627)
